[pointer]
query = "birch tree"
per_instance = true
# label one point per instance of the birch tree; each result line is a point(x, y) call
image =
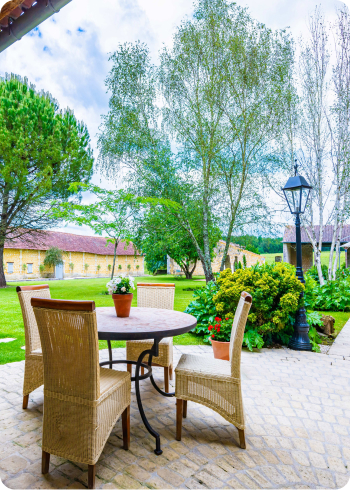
point(339, 123)
point(314, 131)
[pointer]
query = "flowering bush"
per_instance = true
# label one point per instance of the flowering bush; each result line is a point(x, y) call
point(275, 290)
point(121, 284)
point(221, 330)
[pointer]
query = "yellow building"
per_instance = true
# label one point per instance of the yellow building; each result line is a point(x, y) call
point(84, 256)
point(234, 255)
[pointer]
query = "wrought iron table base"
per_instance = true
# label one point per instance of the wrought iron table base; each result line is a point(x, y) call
point(153, 352)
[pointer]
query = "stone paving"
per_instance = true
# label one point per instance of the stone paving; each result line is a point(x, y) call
point(298, 432)
point(341, 345)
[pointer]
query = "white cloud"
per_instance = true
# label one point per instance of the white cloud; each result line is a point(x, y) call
point(68, 54)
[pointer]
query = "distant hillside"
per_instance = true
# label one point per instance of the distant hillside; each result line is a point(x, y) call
point(260, 245)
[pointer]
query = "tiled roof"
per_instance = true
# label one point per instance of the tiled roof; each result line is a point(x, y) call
point(13, 9)
point(70, 243)
point(289, 234)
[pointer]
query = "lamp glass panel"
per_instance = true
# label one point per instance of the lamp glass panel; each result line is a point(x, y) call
point(304, 198)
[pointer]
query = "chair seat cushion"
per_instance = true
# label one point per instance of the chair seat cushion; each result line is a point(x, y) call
point(110, 380)
point(205, 366)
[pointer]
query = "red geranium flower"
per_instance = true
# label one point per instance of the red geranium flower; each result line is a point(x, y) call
point(210, 327)
point(217, 319)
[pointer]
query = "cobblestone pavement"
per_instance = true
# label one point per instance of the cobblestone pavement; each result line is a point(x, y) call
point(298, 432)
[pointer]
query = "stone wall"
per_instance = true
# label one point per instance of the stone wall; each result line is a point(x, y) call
point(290, 255)
point(79, 259)
point(235, 254)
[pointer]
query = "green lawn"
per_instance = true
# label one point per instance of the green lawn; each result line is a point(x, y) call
point(11, 323)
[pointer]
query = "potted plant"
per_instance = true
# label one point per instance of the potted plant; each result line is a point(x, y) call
point(219, 336)
point(119, 288)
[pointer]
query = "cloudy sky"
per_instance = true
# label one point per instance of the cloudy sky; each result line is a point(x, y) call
point(68, 54)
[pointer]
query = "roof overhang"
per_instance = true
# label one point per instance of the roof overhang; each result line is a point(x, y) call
point(17, 18)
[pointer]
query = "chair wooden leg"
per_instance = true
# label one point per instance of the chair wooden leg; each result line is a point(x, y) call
point(142, 370)
point(166, 379)
point(45, 462)
point(171, 372)
point(126, 428)
point(25, 401)
point(179, 412)
point(184, 410)
point(129, 368)
point(241, 438)
point(91, 475)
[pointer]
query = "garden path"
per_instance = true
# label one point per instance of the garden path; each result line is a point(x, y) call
point(341, 345)
point(298, 432)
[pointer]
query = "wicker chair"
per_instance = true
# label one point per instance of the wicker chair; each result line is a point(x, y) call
point(213, 382)
point(82, 401)
point(154, 295)
point(33, 368)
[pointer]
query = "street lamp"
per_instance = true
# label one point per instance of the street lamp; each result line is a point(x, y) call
point(296, 192)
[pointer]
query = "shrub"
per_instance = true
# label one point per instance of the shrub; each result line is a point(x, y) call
point(120, 266)
point(98, 267)
point(41, 268)
point(343, 272)
point(71, 265)
point(275, 291)
point(312, 272)
point(332, 296)
point(203, 307)
point(53, 257)
point(86, 266)
point(24, 267)
point(109, 267)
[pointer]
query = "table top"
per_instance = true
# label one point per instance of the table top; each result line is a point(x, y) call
point(142, 324)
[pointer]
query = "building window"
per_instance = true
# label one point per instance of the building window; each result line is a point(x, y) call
point(30, 268)
point(10, 267)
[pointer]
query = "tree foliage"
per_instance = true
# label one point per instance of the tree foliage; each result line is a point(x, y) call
point(192, 129)
point(42, 149)
point(53, 257)
point(112, 214)
point(159, 236)
point(260, 245)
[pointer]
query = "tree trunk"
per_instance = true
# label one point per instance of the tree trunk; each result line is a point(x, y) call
point(337, 252)
point(318, 265)
point(115, 255)
point(208, 273)
point(2, 272)
point(186, 269)
point(228, 240)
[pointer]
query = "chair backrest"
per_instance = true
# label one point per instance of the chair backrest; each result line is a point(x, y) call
point(156, 295)
point(237, 333)
point(69, 340)
point(25, 294)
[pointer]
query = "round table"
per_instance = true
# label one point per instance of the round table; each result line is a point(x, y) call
point(142, 324)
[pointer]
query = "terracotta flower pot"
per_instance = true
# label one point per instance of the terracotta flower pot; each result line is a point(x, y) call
point(221, 350)
point(122, 303)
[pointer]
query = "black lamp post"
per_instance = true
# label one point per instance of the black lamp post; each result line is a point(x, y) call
point(296, 192)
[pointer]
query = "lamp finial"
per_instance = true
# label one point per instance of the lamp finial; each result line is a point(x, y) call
point(296, 167)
